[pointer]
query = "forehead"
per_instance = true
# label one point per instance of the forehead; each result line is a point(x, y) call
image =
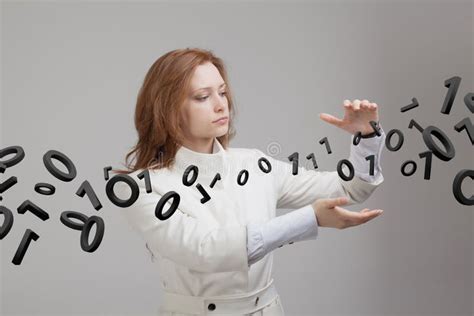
point(206, 75)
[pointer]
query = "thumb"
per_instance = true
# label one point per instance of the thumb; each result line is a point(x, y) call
point(330, 119)
point(330, 203)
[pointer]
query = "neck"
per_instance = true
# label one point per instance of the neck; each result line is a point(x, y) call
point(201, 145)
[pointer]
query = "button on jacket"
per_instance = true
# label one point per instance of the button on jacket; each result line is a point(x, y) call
point(201, 250)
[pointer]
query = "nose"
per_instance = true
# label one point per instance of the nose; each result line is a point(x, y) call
point(220, 104)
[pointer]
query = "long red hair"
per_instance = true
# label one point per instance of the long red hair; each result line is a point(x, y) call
point(157, 113)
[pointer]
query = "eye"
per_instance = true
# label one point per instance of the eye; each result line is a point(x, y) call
point(224, 92)
point(201, 98)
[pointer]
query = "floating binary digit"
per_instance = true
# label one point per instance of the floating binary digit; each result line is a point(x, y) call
point(341, 173)
point(217, 177)
point(469, 101)
point(195, 170)
point(294, 158)
point(205, 196)
point(239, 177)
point(371, 160)
point(458, 194)
point(19, 155)
point(86, 188)
point(106, 172)
point(313, 159)
point(7, 184)
point(48, 163)
point(267, 163)
point(27, 205)
point(356, 139)
point(325, 141)
point(389, 138)
point(145, 174)
point(429, 159)
point(403, 168)
point(66, 216)
point(161, 203)
point(109, 190)
point(24, 244)
point(468, 126)
point(45, 188)
point(452, 84)
point(100, 229)
point(7, 221)
point(414, 104)
point(448, 153)
point(413, 123)
point(85, 227)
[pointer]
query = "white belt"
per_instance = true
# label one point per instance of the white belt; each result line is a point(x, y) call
point(216, 305)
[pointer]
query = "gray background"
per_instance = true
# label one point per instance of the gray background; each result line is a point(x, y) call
point(70, 76)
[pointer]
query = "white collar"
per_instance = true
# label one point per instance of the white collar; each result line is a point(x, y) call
point(208, 164)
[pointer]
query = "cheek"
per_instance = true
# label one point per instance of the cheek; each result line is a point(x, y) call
point(198, 118)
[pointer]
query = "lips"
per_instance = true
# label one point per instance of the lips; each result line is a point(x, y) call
point(222, 118)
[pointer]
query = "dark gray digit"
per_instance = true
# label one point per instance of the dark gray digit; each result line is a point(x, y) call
point(7, 221)
point(341, 173)
point(269, 166)
point(27, 205)
point(194, 169)
point(25, 242)
point(294, 158)
point(109, 190)
point(457, 186)
point(48, 163)
point(44, 188)
point(239, 178)
point(403, 168)
point(452, 84)
point(99, 233)
point(86, 188)
point(448, 153)
point(389, 138)
point(161, 203)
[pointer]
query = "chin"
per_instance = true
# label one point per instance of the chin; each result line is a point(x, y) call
point(221, 132)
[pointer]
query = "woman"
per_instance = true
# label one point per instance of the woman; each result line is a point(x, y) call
point(215, 251)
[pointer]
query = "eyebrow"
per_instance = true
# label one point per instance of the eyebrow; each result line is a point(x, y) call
point(207, 88)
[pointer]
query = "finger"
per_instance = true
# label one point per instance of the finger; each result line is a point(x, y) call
point(330, 203)
point(347, 104)
point(364, 105)
point(367, 216)
point(372, 106)
point(330, 119)
point(356, 104)
point(357, 218)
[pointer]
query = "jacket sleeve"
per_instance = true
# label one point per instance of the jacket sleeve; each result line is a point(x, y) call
point(183, 238)
point(296, 191)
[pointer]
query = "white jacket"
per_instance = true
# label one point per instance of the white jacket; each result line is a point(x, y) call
point(201, 249)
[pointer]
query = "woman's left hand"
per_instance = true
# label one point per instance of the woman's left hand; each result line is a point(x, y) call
point(357, 117)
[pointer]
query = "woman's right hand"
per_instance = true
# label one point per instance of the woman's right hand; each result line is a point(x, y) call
point(329, 213)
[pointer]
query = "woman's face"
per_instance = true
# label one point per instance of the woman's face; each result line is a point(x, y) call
point(206, 103)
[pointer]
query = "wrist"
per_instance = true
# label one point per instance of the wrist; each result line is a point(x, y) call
point(375, 131)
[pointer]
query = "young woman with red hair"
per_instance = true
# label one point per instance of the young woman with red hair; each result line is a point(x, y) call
point(215, 254)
